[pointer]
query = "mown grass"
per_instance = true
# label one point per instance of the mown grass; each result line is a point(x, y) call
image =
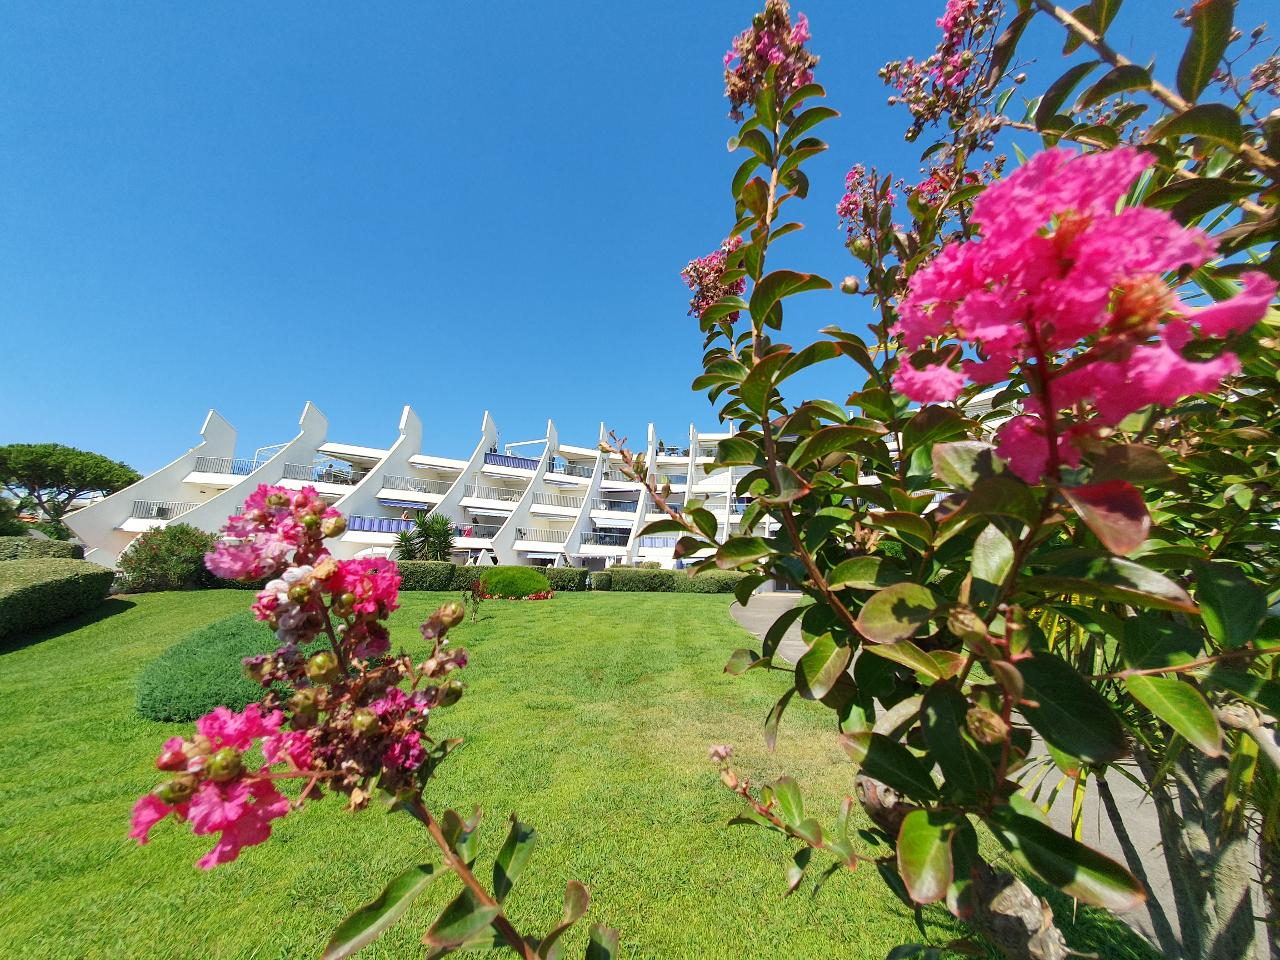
point(589, 714)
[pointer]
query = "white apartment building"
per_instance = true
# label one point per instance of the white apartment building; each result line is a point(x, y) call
point(535, 502)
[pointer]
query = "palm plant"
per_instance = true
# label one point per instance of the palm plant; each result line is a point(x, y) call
point(434, 535)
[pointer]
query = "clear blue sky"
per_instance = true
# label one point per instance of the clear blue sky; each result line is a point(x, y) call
point(459, 207)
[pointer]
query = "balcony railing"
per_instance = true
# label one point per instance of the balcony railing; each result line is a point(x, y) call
point(674, 452)
point(159, 509)
point(236, 466)
point(505, 460)
point(615, 474)
point(558, 500)
point(569, 469)
point(672, 478)
point(392, 482)
point(378, 524)
point(660, 542)
point(481, 530)
point(739, 506)
point(618, 506)
point(485, 492)
point(542, 534)
point(322, 473)
point(601, 539)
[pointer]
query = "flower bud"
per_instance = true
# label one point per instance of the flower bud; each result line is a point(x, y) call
point(333, 526)
point(364, 721)
point(224, 765)
point(729, 779)
point(452, 613)
point(299, 593)
point(849, 284)
point(348, 600)
point(198, 746)
point(300, 500)
point(966, 624)
point(986, 726)
point(322, 668)
point(450, 692)
point(310, 521)
point(176, 791)
point(861, 248)
point(172, 760)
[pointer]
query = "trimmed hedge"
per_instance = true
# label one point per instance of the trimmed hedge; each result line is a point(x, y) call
point(465, 576)
point(568, 578)
point(204, 670)
point(33, 548)
point(646, 580)
point(513, 583)
point(710, 581)
point(426, 574)
point(37, 592)
point(602, 580)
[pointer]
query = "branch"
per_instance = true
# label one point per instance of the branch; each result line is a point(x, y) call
point(1238, 716)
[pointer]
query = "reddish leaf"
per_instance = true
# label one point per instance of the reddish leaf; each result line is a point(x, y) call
point(1114, 511)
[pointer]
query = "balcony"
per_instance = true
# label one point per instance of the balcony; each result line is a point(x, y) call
point(229, 465)
point(361, 524)
point(392, 482)
point(542, 534)
point(612, 473)
point(617, 506)
point(569, 469)
point(505, 460)
point(661, 543)
point(483, 531)
point(312, 473)
point(159, 509)
point(673, 478)
point(558, 500)
point(676, 452)
point(484, 492)
point(598, 538)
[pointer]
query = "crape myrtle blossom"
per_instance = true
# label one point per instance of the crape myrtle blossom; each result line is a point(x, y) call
point(705, 277)
point(348, 725)
point(1066, 290)
point(771, 42)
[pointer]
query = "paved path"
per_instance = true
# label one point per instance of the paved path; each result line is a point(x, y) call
point(1140, 819)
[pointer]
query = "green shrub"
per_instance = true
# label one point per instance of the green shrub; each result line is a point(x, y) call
point(633, 580)
point(168, 558)
point(204, 670)
point(426, 574)
point(38, 592)
point(513, 582)
point(464, 577)
point(33, 548)
point(710, 581)
point(10, 525)
point(567, 578)
point(602, 580)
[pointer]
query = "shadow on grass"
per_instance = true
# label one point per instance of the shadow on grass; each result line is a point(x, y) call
point(108, 608)
point(1091, 930)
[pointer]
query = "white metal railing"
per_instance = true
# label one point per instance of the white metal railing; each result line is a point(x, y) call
point(613, 473)
point(601, 539)
point(542, 534)
point(486, 492)
point(236, 466)
point(392, 482)
point(323, 473)
point(569, 469)
point(618, 506)
point(159, 509)
point(558, 500)
point(482, 530)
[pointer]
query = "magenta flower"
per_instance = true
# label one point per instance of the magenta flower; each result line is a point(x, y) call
point(406, 753)
point(225, 728)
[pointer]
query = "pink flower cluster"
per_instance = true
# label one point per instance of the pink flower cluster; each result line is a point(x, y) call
point(864, 199)
point(705, 277)
point(212, 789)
point(1069, 293)
point(276, 524)
point(771, 42)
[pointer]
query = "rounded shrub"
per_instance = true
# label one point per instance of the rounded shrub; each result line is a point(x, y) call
point(567, 578)
point(32, 548)
point(168, 558)
point(204, 670)
point(426, 574)
point(513, 583)
point(35, 593)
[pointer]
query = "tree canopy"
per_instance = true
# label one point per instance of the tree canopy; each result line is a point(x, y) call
point(51, 476)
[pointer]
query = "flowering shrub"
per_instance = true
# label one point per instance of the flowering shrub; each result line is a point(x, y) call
point(1047, 509)
point(167, 558)
point(350, 719)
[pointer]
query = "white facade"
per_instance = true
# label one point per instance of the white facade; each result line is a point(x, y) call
point(533, 502)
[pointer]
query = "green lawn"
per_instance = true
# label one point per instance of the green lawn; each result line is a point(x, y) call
point(589, 714)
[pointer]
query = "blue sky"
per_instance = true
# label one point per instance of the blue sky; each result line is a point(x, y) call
point(459, 207)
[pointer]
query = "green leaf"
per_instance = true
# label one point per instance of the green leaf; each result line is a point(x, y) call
point(1065, 863)
point(826, 441)
point(775, 717)
point(992, 561)
point(821, 666)
point(1067, 712)
point(512, 858)
point(758, 384)
point(1210, 34)
point(1147, 642)
point(930, 425)
point(790, 803)
point(909, 655)
point(804, 93)
point(1213, 121)
point(373, 919)
point(461, 920)
point(943, 714)
point(742, 660)
point(963, 463)
point(1060, 89)
point(1115, 511)
point(779, 284)
point(757, 143)
point(865, 573)
point(891, 763)
point(924, 854)
point(1096, 15)
point(1127, 77)
point(576, 900)
point(739, 551)
point(897, 612)
point(805, 122)
point(602, 943)
point(1181, 706)
point(1232, 606)
point(738, 452)
point(1111, 578)
point(1004, 48)
point(1134, 462)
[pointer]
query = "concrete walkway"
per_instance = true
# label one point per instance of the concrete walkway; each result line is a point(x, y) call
point(1140, 819)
